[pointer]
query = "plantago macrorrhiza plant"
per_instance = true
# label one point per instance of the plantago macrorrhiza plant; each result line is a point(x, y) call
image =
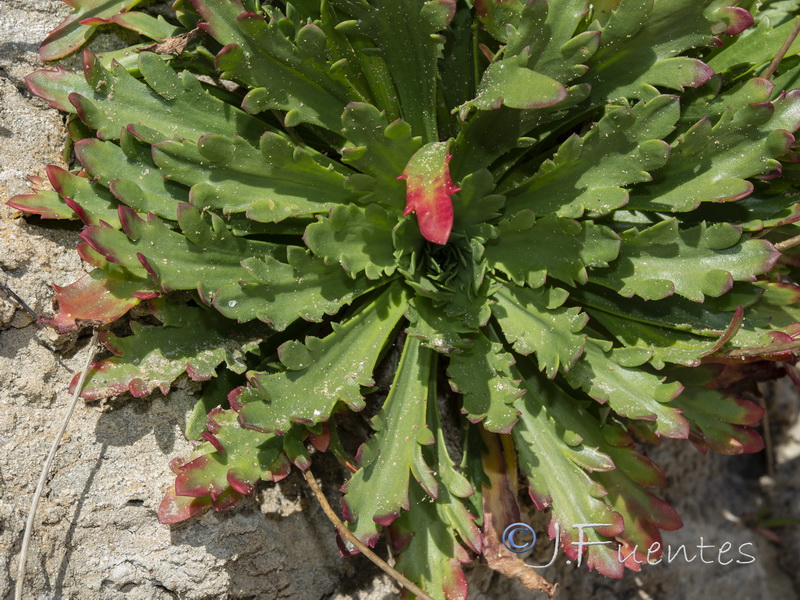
point(562, 221)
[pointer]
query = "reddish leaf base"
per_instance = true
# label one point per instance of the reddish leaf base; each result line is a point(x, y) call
point(175, 509)
point(93, 299)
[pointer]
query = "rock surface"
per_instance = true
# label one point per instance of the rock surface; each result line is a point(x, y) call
point(96, 534)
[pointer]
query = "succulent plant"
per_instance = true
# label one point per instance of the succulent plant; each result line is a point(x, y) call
point(524, 236)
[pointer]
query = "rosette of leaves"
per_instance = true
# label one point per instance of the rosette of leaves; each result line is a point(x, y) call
point(536, 229)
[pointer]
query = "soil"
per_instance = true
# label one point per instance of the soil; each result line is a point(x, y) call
point(96, 535)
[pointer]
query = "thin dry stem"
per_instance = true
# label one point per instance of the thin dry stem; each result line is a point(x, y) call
point(782, 52)
point(20, 301)
point(26, 538)
point(790, 243)
point(348, 535)
point(769, 449)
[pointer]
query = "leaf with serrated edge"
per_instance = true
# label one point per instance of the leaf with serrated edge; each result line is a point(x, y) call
point(481, 375)
point(720, 421)
point(410, 47)
point(45, 203)
point(428, 551)
point(90, 201)
point(228, 466)
point(74, 31)
point(641, 45)
point(191, 340)
point(324, 371)
point(375, 494)
point(205, 257)
point(110, 100)
point(711, 163)
point(475, 203)
point(359, 239)
point(380, 151)
point(531, 250)
point(274, 182)
point(510, 83)
point(662, 345)
point(534, 321)
point(433, 554)
point(99, 297)
point(632, 393)
point(556, 479)
point(619, 151)
point(156, 28)
point(282, 292)
point(644, 514)
point(130, 174)
point(434, 329)
point(255, 51)
point(663, 259)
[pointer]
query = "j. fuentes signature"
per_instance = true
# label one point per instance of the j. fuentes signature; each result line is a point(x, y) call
point(656, 553)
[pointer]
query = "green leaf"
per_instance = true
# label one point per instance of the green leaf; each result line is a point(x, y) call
point(91, 202)
point(278, 70)
point(619, 151)
point(433, 556)
point(43, 202)
point(508, 82)
point(534, 321)
point(556, 474)
point(272, 183)
point(191, 340)
point(375, 494)
point(435, 329)
point(777, 311)
point(714, 318)
point(131, 175)
point(166, 105)
point(641, 44)
point(379, 150)
point(712, 100)
point(156, 28)
point(630, 392)
point(530, 250)
point(756, 46)
point(720, 421)
point(99, 297)
point(661, 345)
point(643, 512)
point(663, 259)
point(408, 44)
point(475, 204)
point(607, 453)
point(324, 371)
point(711, 164)
point(481, 374)
point(205, 257)
point(214, 394)
point(548, 32)
point(74, 31)
point(429, 552)
point(227, 467)
point(358, 239)
point(282, 292)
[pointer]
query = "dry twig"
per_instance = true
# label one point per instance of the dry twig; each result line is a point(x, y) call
point(26, 538)
point(782, 52)
point(348, 535)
